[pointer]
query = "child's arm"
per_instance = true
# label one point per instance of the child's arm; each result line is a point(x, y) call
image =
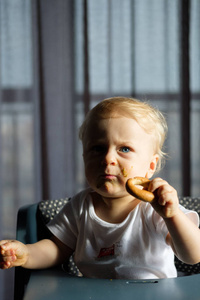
point(184, 235)
point(43, 254)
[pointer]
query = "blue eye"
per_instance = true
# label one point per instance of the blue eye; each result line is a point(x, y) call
point(125, 149)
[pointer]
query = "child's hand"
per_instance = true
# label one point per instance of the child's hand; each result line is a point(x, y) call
point(166, 203)
point(12, 254)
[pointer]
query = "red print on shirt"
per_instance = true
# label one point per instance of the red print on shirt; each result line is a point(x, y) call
point(107, 251)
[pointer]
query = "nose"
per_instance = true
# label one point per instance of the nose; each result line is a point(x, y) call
point(109, 158)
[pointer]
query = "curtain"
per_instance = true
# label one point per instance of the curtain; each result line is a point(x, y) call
point(58, 59)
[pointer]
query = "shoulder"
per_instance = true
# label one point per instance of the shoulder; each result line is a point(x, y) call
point(81, 196)
point(73, 210)
point(79, 201)
point(191, 214)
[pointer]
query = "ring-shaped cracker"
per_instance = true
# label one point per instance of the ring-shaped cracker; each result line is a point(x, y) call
point(143, 195)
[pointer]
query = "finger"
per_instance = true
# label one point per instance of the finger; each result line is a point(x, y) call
point(5, 265)
point(8, 258)
point(8, 251)
point(167, 194)
point(162, 189)
point(156, 183)
point(7, 261)
point(6, 246)
point(7, 254)
point(4, 242)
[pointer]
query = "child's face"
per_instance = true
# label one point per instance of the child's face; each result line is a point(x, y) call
point(114, 150)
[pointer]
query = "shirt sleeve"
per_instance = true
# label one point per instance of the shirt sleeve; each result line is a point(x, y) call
point(191, 214)
point(158, 224)
point(64, 226)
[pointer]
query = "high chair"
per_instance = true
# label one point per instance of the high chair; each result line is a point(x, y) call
point(64, 282)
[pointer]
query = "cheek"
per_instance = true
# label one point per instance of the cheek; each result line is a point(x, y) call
point(88, 175)
point(90, 168)
point(138, 168)
point(126, 171)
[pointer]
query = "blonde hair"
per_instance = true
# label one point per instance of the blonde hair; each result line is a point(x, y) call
point(147, 116)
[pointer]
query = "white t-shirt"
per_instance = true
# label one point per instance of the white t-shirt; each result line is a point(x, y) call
point(133, 249)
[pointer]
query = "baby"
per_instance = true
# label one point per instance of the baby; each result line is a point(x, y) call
point(110, 233)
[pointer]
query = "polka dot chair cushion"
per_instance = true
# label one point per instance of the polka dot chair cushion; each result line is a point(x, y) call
point(50, 208)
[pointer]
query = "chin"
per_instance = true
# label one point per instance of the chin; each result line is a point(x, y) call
point(108, 190)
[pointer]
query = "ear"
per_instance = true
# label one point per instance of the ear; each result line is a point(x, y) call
point(152, 166)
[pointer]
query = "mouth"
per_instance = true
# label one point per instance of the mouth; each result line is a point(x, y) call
point(105, 180)
point(108, 176)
